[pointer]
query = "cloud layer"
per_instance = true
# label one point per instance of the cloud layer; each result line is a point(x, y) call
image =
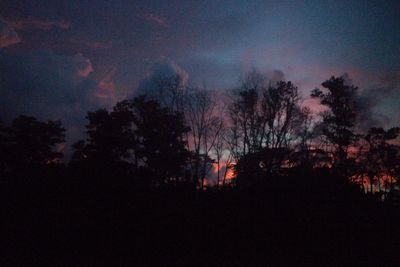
point(154, 19)
point(34, 23)
point(8, 36)
point(380, 105)
point(160, 72)
point(47, 86)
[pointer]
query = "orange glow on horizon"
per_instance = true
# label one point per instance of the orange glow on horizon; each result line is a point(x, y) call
point(385, 182)
point(211, 180)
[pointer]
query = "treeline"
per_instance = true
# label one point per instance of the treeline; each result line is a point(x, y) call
point(199, 137)
point(195, 177)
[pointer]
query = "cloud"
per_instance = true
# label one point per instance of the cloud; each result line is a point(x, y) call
point(380, 105)
point(34, 23)
point(109, 91)
point(8, 36)
point(107, 84)
point(91, 44)
point(275, 76)
point(48, 86)
point(154, 19)
point(165, 70)
point(43, 84)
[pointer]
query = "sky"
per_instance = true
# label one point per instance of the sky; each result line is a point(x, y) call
point(60, 59)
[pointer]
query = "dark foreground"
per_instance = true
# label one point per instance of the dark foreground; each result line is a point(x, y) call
point(65, 222)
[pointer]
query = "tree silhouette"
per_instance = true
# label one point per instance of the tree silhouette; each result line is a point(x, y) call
point(3, 149)
point(32, 142)
point(263, 116)
point(244, 113)
point(382, 157)
point(160, 140)
point(340, 118)
point(110, 136)
point(130, 182)
point(202, 115)
point(281, 113)
point(135, 134)
point(255, 168)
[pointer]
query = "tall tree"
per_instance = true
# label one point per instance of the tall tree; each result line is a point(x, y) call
point(340, 118)
point(262, 116)
point(203, 115)
point(110, 136)
point(160, 134)
point(244, 113)
point(138, 132)
point(280, 114)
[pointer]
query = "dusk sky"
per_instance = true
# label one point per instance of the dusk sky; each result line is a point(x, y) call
point(59, 59)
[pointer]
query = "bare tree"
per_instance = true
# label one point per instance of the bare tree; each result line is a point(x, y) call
point(172, 92)
point(201, 111)
point(304, 130)
point(261, 116)
point(280, 112)
point(244, 112)
point(381, 157)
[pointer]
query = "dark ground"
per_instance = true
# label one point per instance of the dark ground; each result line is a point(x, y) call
point(64, 222)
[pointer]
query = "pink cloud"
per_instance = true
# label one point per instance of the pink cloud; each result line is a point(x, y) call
point(91, 44)
point(108, 92)
point(83, 65)
point(107, 85)
point(39, 24)
point(8, 36)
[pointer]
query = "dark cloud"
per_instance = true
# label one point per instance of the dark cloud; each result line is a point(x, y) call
point(8, 36)
point(275, 76)
point(162, 71)
point(216, 41)
point(380, 105)
point(91, 44)
point(213, 73)
point(48, 86)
